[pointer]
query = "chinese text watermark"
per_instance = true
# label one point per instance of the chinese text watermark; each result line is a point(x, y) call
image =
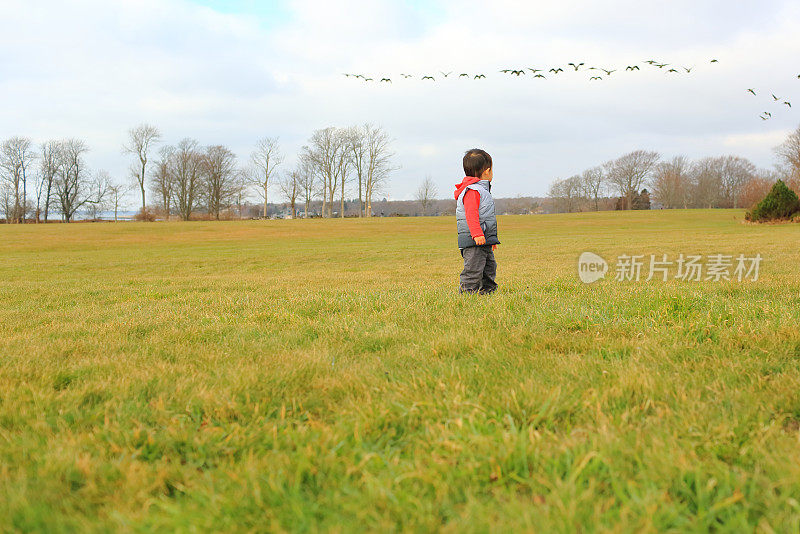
point(684, 267)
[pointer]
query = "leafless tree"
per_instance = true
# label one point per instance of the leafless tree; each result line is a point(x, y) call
point(140, 141)
point(116, 192)
point(186, 170)
point(671, 183)
point(220, 178)
point(379, 163)
point(426, 193)
point(735, 171)
point(629, 173)
point(16, 164)
point(359, 159)
point(72, 181)
point(307, 181)
point(323, 153)
point(567, 194)
point(99, 194)
point(162, 181)
point(592, 181)
point(291, 186)
point(706, 180)
point(265, 158)
point(48, 168)
point(788, 153)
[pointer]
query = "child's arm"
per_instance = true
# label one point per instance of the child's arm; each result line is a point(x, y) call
point(471, 201)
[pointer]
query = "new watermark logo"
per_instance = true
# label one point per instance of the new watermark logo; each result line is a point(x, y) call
point(688, 268)
point(591, 267)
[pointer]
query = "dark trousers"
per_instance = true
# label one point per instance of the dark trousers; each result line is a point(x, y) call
point(479, 271)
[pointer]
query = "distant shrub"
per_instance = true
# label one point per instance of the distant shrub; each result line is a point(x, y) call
point(145, 215)
point(780, 203)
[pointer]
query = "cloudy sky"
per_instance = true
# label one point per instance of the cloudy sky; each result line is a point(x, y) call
point(229, 72)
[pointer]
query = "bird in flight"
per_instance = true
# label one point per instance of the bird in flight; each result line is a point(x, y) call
point(479, 76)
point(386, 80)
point(367, 79)
point(540, 76)
point(446, 75)
point(661, 65)
point(752, 91)
point(788, 103)
point(534, 71)
point(672, 70)
point(775, 98)
point(428, 78)
point(608, 72)
point(714, 61)
point(688, 69)
point(406, 75)
point(556, 71)
point(632, 67)
point(517, 72)
point(768, 114)
point(651, 61)
point(595, 78)
point(463, 74)
point(763, 118)
point(574, 66)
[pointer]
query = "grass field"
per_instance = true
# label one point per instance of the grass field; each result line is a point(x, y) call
point(325, 375)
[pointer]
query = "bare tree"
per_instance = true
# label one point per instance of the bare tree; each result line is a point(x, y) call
point(99, 194)
point(72, 181)
point(343, 162)
point(788, 153)
point(221, 178)
point(290, 186)
point(140, 141)
point(379, 163)
point(186, 172)
point(592, 181)
point(265, 158)
point(116, 192)
point(162, 181)
point(426, 193)
point(706, 188)
point(757, 187)
point(735, 171)
point(359, 159)
point(307, 181)
point(323, 152)
point(16, 162)
point(567, 194)
point(671, 183)
point(48, 168)
point(629, 173)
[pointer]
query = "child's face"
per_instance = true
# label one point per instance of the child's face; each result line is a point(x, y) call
point(487, 174)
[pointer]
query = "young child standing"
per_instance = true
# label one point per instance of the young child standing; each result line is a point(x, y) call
point(476, 224)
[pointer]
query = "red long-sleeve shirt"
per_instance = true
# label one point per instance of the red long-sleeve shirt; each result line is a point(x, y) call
point(472, 200)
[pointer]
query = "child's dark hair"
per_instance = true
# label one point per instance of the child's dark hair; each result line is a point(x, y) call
point(476, 162)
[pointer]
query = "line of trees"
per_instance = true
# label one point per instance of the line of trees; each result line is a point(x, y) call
point(189, 180)
point(335, 162)
point(713, 182)
point(36, 182)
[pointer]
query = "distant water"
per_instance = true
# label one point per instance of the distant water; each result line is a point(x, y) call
point(106, 216)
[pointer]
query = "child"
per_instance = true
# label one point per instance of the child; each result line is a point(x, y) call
point(476, 224)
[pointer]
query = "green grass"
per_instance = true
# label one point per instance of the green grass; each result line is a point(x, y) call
point(325, 375)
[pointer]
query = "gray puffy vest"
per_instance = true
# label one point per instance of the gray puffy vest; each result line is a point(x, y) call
point(486, 216)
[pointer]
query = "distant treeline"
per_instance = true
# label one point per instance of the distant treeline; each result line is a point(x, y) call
point(713, 182)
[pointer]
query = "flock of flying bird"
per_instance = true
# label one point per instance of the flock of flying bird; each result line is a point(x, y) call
point(576, 66)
